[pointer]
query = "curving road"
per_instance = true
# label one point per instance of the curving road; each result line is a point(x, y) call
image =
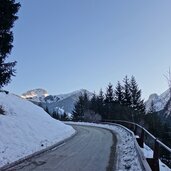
point(88, 150)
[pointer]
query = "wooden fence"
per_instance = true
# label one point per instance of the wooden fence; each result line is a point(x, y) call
point(160, 150)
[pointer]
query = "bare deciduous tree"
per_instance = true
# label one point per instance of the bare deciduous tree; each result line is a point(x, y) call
point(168, 78)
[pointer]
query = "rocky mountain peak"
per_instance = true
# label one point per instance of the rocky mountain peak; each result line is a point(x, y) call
point(35, 93)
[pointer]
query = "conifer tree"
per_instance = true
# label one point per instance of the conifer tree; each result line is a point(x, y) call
point(109, 100)
point(126, 92)
point(55, 115)
point(78, 112)
point(86, 101)
point(8, 10)
point(64, 117)
point(109, 96)
point(100, 103)
point(47, 110)
point(94, 103)
point(101, 96)
point(119, 93)
point(136, 102)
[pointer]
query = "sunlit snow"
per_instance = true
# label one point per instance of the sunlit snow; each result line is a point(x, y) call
point(26, 128)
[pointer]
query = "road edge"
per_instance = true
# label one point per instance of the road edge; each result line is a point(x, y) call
point(23, 159)
point(113, 157)
point(111, 162)
point(144, 165)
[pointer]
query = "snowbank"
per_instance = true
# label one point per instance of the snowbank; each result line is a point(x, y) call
point(127, 157)
point(26, 128)
point(148, 153)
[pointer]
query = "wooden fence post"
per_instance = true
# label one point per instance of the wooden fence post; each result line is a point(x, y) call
point(135, 129)
point(141, 139)
point(156, 155)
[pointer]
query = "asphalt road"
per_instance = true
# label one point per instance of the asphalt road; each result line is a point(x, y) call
point(88, 150)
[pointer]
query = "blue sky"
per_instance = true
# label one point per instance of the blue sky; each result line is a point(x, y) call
point(64, 45)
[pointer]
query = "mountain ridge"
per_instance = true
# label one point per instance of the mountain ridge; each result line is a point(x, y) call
point(159, 101)
point(65, 102)
point(53, 103)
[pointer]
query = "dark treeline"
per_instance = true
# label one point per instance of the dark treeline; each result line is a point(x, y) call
point(159, 124)
point(122, 102)
point(56, 114)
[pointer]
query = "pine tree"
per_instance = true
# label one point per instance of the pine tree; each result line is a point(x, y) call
point(109, 96)
point(86, 102)
point(141, 107)
point(100, 103)
point(126, 92)
point(54, 114)
point(64, 117)
point(57, 116)
point(47, 110)
point(78, 112)
point(136, 102)
point(119, 93)
point(8, 10)
point(109, 100)
point(101, 96)
point(94, 103)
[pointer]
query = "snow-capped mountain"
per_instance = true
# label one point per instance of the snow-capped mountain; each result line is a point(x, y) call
point(35, 94)
point(61, 102)
point(159, 101)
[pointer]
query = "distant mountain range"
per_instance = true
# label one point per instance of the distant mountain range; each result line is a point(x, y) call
point(65, 102)
point(159, 101)
point(61, 103)
point(36, 95)
point(162, 104)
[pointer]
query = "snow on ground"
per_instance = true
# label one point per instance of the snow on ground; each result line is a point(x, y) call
point(148, 153)
point(26, 128)
point(127, 157)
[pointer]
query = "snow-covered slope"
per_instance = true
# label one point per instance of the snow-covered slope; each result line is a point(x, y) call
point(158, 100)
point(26, 128)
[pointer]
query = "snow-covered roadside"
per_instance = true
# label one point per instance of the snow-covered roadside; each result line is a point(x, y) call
point(127, 157)
point(148, 153)
point(26, 128)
